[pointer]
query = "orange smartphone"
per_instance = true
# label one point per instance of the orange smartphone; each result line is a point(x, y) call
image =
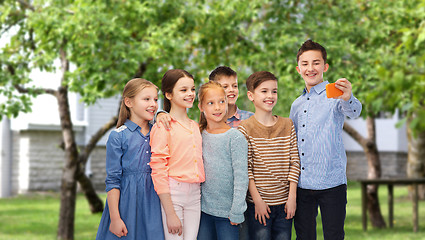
point(332, 91)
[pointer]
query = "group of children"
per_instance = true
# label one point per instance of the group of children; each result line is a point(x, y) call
point(235, 174)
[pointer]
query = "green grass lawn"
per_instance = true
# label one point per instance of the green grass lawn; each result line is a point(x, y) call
point(35, 217)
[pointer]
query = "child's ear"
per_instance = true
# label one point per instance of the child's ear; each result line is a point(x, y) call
point(298, 69)
point(250, 96)
point(127, 102)
point(168, 95)
point(326, 67)
point(199, 106)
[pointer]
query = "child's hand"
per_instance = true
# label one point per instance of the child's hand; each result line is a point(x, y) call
point(290, 207)
point(174, 225)
point(234, 224)
point(345, 86)
point(118, 228)
point(164, 118)
point(262, 211)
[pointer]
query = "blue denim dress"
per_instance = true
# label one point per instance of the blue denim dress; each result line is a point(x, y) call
point(127, 168)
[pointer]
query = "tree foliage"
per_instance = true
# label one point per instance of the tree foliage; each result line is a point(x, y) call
point(99, 45)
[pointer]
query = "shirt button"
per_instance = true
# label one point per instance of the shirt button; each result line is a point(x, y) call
point(302, 139)
point(351, 102)
point(197, 175)
point(146, 140)
point(302, 154)
point(305, 111)
point(196, 160)
point(303, 125)
point(302, 168)
point(354, 110)
point(308, 98)
point(147, 151)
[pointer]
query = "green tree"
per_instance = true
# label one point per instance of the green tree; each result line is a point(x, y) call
point(340, 27)
point(375, 44)
point(99, 46)
point(403, 79)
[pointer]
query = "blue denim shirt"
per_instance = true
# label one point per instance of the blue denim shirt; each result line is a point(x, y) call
point(318, 121)
point(127, 152)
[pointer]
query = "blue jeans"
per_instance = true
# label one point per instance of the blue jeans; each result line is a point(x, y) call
point(332, 203)
point(243, 229)
point(277, 227)
point(217, 228)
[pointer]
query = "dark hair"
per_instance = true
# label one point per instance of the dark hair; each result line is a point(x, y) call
point(201, 94)
point(255, 79)
point(168, 82)
point(220, 72)
point(131, 89)
point(310, 45)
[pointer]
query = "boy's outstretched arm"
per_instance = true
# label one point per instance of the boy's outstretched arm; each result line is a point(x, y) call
point(345, 86)
point(350, 106)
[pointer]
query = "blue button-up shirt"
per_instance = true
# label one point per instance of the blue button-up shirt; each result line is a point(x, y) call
point(318, 121)
point(127, 152)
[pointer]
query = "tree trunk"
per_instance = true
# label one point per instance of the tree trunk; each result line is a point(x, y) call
point(416, 158)
point(374, 169)
point(95, 203)
point(71, 168)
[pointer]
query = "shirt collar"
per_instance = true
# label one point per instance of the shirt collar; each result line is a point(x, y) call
point(131, 125)
point(319, 88)
point(237, 114)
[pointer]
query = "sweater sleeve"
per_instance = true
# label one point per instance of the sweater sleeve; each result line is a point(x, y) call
point(294, 162)
point(239, 154)
point(243, 130)
point(159, 159)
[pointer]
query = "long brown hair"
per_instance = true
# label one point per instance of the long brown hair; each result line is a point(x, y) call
point(131, 89)
point(168, 82)
point(201, 95)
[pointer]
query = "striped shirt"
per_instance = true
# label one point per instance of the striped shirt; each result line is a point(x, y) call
point(318, 121)
point(273, 159)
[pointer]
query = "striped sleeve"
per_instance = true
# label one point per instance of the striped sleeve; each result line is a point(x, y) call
point(294, 167)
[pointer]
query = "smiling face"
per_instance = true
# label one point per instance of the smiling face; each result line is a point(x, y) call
point(264, 96)
point(183, 93)
point(143, 105)
point(214, 105)
point(230, 85)
point(311, 67)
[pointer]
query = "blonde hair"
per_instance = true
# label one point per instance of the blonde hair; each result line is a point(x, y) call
point(131, 89)
point(201, 95)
